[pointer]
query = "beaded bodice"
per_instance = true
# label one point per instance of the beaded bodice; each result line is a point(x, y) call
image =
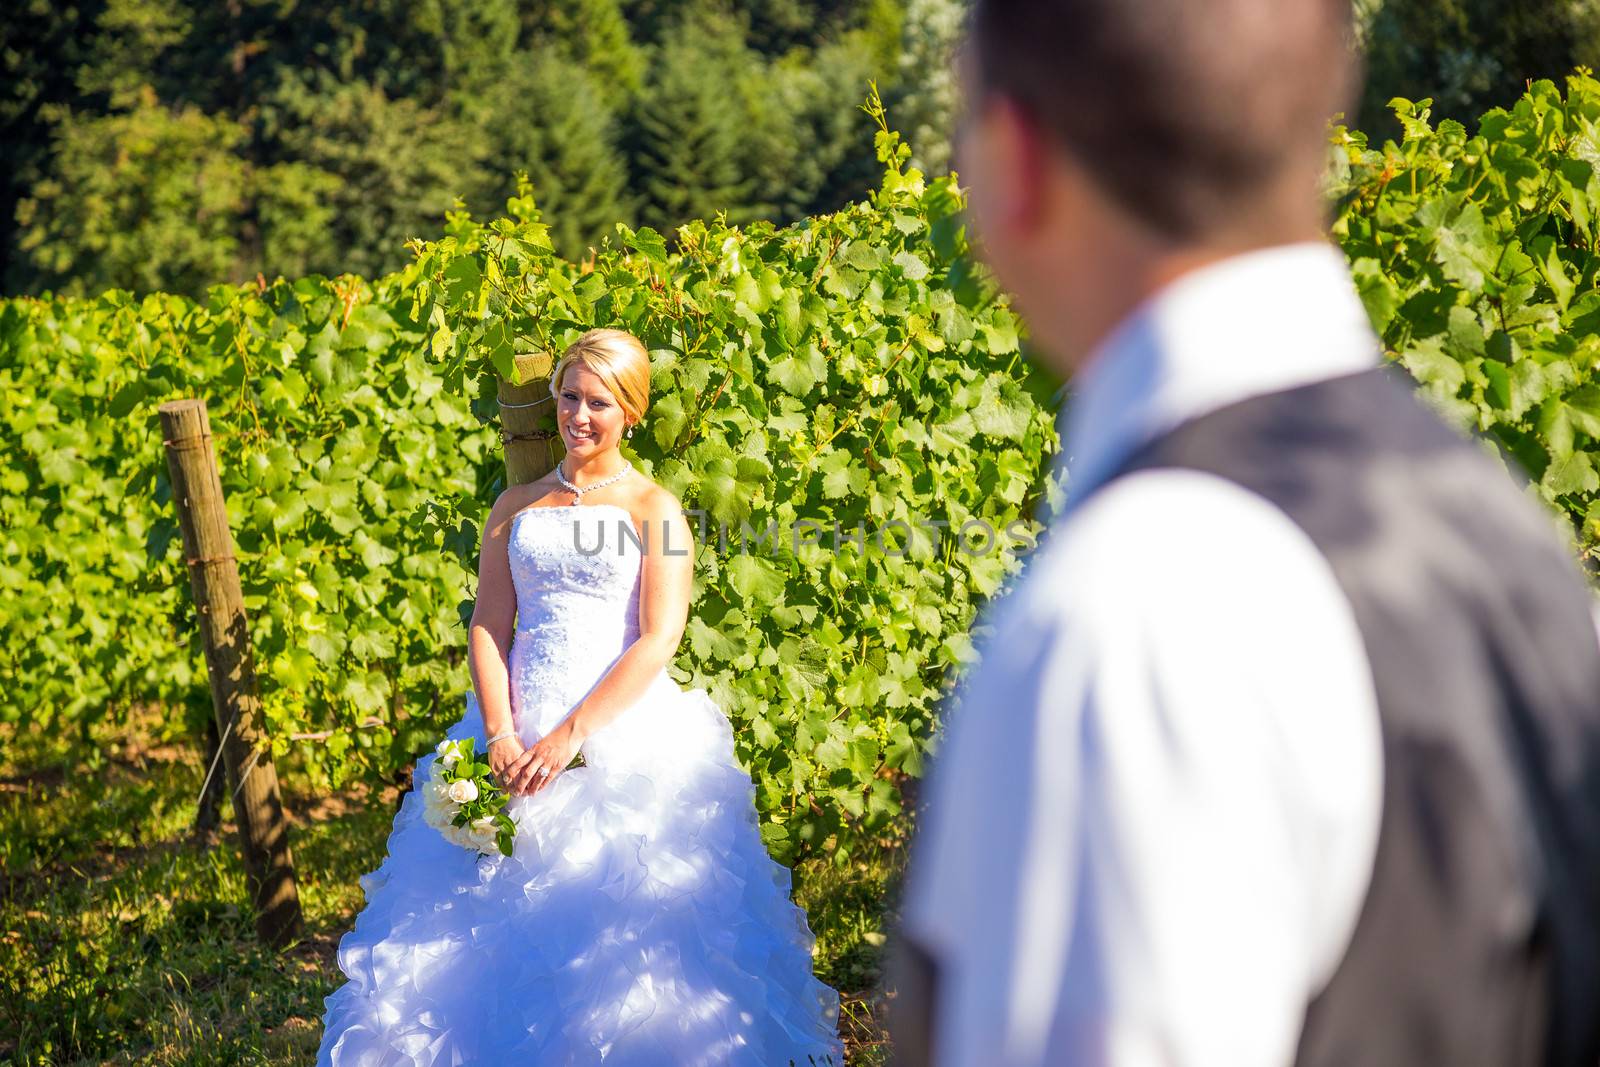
point(576, 570)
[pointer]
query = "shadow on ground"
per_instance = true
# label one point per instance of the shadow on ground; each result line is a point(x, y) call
point(126, 940)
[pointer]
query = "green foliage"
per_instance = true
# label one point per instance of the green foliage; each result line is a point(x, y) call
point(290, 137)
point(128, 182)
point(594, 34)
point(925, 101)
point(854, 369)
point(325, 413)
point(1477, 260)
point(803, 131)
point(394, 168)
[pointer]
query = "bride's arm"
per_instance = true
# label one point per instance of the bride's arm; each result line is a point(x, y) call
point(665, 580)
point(494, 614)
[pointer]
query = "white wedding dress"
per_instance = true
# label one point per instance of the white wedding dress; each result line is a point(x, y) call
point(640, 920)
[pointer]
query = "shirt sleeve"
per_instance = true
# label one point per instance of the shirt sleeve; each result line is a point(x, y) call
point(1152, 818)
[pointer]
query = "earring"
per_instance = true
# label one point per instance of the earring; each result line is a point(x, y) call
point(630, 432)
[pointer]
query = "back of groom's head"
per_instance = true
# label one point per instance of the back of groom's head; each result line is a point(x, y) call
point(1189, 114)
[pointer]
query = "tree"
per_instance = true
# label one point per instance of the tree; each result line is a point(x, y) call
point(42, 45)
point(808, 135)
point(144, 199)
point(596, 35)
point(549, 118)
point(317, 136)
point(398, 167)
point(690, 155)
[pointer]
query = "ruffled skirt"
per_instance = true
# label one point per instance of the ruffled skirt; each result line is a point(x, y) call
point(640, 921)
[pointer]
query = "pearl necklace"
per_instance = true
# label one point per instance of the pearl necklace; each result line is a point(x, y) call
point(578, 491)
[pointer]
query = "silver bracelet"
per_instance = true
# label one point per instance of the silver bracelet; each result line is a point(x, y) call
point(499, 737)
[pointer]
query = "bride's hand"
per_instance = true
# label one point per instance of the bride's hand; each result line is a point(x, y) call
point(504, 755)
point(550, 753)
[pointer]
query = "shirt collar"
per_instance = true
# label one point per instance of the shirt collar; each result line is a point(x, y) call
point(1254, 323)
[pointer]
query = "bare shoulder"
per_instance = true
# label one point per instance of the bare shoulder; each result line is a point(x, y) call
point(654, 506)
point(648, 500)
point(513, 498)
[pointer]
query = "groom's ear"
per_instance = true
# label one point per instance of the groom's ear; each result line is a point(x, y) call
point(1007, 164)
point(912, 972)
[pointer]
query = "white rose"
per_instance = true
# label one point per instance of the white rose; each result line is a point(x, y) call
point(464, 791)
point(484, 824)
point(450, 756)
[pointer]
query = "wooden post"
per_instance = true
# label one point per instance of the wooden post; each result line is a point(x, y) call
point(214, 581)
point(528, 420)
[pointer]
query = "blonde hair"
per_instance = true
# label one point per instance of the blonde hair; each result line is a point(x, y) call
point(621, 361)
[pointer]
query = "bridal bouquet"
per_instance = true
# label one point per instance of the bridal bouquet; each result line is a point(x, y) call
point(464, 804)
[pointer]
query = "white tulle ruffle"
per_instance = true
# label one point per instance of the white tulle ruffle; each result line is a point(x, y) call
point(640, 921)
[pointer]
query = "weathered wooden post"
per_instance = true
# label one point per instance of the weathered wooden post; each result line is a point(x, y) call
point(214, 581)
point(530, 447)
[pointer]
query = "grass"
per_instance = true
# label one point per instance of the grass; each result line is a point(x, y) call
point(125, 938)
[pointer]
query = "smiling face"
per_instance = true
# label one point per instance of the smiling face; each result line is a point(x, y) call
point(587, 413)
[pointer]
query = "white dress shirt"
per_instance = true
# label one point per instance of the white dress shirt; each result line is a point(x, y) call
point(1153, 815)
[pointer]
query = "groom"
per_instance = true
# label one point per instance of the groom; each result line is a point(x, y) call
point(1286, 748)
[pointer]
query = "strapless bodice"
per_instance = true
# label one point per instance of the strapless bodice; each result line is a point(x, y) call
point(576, 570)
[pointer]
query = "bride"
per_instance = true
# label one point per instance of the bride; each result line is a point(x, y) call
point(639, 919)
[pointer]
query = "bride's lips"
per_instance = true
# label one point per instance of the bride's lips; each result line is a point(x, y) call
point(576, 436)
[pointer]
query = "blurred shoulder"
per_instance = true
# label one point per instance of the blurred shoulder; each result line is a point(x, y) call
point(1174, 543)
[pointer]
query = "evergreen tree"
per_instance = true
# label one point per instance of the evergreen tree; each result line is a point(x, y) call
point(550, 120)
point(777, 27)
point(595, 34)
point(810, 141)
point(691, 157)
point(397, 168)
point(177, 143)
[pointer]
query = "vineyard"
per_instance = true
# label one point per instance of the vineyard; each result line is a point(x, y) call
point(857, 370)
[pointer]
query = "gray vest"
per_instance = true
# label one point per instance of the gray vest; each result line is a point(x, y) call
point(1478, 942)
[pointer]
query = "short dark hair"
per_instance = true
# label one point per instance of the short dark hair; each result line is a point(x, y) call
point(1186, 112)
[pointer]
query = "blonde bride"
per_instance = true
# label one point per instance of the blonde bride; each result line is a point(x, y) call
point(639, 919)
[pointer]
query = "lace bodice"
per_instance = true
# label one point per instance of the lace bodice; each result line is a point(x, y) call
point(576, 569)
